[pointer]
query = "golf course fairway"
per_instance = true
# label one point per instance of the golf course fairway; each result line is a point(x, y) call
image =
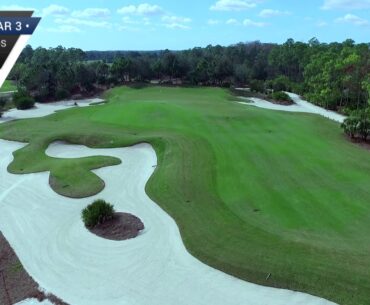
point(275, 198)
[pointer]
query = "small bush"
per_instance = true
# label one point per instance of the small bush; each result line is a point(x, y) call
point(281, 97)
point(2, 104)
point(19, 94)
point(257, 86)
point(226, 84)
point(97, 213)
point(2, 101)
point(61, 94)
point(281, 83)
point(357, 125)
point(25, 102)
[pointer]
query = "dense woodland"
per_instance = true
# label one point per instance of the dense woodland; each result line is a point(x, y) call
point(336, 75)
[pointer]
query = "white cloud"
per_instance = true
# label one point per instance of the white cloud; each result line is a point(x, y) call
point(90, 23)
point(146, 21)
point(55, 10)
point(64, 29)
point(213, 21)
point(124, 28)
point(353, 19)
point(232, 21)
point(267, 13)
point(129, 20)
point(92, 12)
point(130, 9)
point(142, 9)
point(346, 4)
point(177, 26)
point(176, 22)
point(233, 5)
point(248, 22)
point(16, 8)
point(175, 19)
point(147, 9)
point(321, 24)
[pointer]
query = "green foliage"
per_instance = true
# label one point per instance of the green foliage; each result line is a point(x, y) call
point(334, 75)
point(85, 77)
point(22, 100)
point(2, 104)
point(366, 87)
point(8, 86)
point(46, 72)
point(350, 126)
point(280, 97)
point(122, 69)
point(97, 213)
point(281, 83)
point(242, 74)
point(257, 86)
point(25, 103)
point(3, 101)
point(61, 94)
point(19, 94)
point(16, 268)
point(357, 125)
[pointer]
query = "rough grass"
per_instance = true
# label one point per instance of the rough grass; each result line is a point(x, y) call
point(254, 192)
point(8, 86)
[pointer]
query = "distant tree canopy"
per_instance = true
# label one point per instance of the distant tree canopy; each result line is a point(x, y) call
point(334, 75)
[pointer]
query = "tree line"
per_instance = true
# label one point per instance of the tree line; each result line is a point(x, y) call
point(335, 76)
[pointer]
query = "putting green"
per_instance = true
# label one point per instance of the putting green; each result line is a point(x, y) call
point(279, 199)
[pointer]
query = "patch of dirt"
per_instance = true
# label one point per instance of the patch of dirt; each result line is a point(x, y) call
point(121, 227)
point(361, 143)
point(284, 103)
point(15, 283)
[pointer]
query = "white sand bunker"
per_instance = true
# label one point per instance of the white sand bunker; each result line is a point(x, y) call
point(299, 106)
point(68, 261)
point(34, 302)
point(41, 110)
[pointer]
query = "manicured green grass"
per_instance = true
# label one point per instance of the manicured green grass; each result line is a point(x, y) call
point(254, 192)
point(8, 86)
point(68, 177)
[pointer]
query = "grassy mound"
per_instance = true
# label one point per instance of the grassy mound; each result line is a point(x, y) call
point(254, 192)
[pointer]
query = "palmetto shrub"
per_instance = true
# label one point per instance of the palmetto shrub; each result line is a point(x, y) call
point(97, 213)
point(357, 125)
point(25, 102)
point(281, 96)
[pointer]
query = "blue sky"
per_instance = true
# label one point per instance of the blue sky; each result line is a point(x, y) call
point(178, 24)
